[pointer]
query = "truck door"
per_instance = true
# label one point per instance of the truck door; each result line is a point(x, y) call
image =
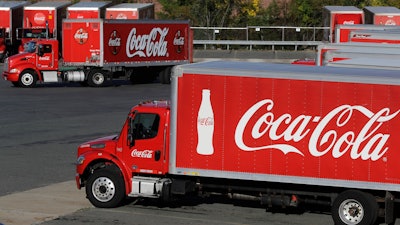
point(146, 143)
point(45, 59)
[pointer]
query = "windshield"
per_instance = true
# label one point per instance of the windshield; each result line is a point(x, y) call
point(30, 47)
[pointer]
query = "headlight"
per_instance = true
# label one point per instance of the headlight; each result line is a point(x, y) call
point(14, 71)
point(80, 160)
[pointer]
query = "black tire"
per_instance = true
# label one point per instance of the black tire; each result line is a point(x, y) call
point(354, 207)
point(106, 188)
point(167, 75)
point(27, 79)
point(96, 78)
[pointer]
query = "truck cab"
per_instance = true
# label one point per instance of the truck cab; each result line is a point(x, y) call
point(138, 154)
point(38, 62)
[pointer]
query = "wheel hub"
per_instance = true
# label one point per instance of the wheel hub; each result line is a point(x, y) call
point(351, 212)
point(103, 189)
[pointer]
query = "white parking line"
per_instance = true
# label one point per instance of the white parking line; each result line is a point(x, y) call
point(42, 204)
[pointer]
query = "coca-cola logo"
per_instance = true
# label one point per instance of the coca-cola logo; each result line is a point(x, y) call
point(390, 22)
point(146, 154)
point(114, 42)
point(207, 121)
point(348, 22)
point(147, 45)
point(121, 16)
point(179, 41)
point(81, 36)
point(39, 18)
point(366, 143)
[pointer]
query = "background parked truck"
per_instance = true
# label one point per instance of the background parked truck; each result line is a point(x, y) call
point(279, 134)
point(42, 20)
point(133, 11)
point(87, 10)
point(96, 50)
point(11, 14)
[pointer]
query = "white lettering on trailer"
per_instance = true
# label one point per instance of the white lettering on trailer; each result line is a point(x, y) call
point(349, 22)
point(147, 154)
point(153, 44)
point(296, 130)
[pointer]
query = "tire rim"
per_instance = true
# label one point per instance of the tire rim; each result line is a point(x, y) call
point(351, 211)
point(27, 79)
point(98, 78)
point(103, 189)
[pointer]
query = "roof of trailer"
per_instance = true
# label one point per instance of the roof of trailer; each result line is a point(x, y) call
point(130, 6)
point(296, 72)
point(383, 10)
point(85, 5)
point(5, 5)
point(47, 5)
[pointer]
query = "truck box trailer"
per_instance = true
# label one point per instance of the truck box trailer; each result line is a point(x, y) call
point(96, 50)
point(11, 13)
point(87, 10)
point(277, 133)
point(322, 50)
point(133, 11)
point(336, 15)
point(376, 36)
point(382, 15)
point(342, 32)
point(42, 20)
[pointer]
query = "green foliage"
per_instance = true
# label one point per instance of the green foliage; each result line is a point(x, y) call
point(236, 13)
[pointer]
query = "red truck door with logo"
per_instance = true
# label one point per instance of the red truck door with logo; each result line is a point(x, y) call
point(46, 59)
point(146, 152)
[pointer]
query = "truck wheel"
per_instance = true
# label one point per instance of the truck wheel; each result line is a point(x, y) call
point(355, 207)
point(27, 78)
point(165, 76)
point(96, 78)
point(105, 188)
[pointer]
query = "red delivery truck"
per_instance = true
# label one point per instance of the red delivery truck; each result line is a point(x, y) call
point(336, 15)
point(87, 10)
point(96, 50)
point(132, 11)
point(42, 20)
point(280, 134)
point(382, 15)
point(11, 18)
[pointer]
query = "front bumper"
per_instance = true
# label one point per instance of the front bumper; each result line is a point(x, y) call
point(13, 77)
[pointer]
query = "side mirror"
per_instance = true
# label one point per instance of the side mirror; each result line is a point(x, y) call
point(40, 50)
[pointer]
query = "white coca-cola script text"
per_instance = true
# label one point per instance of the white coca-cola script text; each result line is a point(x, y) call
point(147, 45)
point(366, 143)
point(147, 154)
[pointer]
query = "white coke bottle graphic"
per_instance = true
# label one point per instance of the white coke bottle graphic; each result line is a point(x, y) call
point(205, 125)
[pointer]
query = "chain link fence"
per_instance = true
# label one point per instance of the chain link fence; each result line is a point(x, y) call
point(260, 33)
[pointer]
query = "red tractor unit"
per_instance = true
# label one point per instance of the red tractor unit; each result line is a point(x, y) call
point(96, 50)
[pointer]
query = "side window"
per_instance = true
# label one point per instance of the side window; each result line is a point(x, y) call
point(47, 49)
point(145, 126)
